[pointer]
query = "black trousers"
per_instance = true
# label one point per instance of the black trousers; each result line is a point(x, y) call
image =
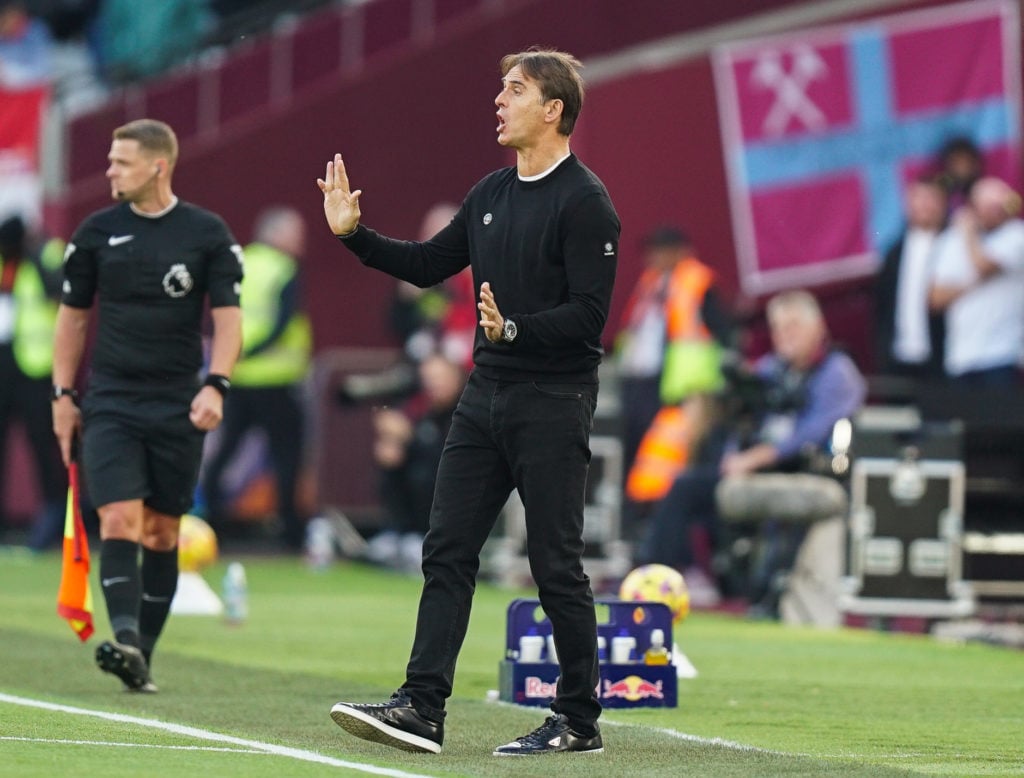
point(279, 412)
point(534, 437)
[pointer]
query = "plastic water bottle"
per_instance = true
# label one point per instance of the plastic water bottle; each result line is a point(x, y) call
point(319, 543)
point(236, 594)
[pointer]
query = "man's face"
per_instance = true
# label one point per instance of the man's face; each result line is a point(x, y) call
point(796, 336)
point(926, 206)
point(132, 172)
point(991, 202)
point(521, 110)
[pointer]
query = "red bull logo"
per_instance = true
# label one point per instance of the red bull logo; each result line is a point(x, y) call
point(537, 688)
point(633, 688)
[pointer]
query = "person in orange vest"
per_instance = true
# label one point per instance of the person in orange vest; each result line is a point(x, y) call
point(669, 350)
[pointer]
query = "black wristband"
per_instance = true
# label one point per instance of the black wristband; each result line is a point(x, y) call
point(219, 382)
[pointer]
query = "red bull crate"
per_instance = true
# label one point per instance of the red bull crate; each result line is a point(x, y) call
point(529, 672)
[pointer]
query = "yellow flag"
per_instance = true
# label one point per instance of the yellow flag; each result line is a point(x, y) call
point(74, 600)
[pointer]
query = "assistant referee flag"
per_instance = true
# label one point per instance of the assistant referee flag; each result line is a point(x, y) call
point(74, 600)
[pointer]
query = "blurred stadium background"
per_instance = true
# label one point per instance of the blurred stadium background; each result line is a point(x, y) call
point(270, 90)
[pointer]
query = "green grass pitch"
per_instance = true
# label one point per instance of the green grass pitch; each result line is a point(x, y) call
point(253, 700)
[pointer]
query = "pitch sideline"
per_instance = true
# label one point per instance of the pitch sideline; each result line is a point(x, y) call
point(215, 737)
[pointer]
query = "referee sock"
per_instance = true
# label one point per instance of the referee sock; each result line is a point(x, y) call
point(120, 577)
point(159, 582)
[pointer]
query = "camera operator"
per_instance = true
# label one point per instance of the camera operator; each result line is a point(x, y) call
point(775, 415)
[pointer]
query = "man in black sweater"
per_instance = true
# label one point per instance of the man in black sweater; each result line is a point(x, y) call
point(541, 239)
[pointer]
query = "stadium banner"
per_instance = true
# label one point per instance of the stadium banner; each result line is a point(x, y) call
point(21, 116)
point(823, 128)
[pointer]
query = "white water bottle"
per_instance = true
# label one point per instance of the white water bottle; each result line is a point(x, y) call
point(236, 594)
point(319, 543)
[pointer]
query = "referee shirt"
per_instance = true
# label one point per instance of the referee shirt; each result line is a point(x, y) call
point(151, 274)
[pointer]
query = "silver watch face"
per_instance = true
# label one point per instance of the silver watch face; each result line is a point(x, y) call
point(509, 331)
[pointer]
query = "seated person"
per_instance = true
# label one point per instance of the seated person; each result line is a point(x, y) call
point(803, 387)
point(407, 450)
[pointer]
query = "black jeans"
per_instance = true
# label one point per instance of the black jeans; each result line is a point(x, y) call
point(534, 437)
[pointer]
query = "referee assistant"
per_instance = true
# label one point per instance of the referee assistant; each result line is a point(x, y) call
point(151, 261)
point(541, 238)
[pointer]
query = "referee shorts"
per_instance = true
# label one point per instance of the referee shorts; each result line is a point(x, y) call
point(141, 445)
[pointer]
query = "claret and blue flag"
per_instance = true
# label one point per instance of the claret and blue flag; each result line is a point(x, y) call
point(823, 128)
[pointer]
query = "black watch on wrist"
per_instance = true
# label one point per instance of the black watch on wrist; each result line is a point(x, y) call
point(56, 392)
point(219, 382)
point(509, 330)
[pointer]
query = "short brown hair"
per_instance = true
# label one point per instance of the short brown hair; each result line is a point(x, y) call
point(558, 75)
point(152, 136)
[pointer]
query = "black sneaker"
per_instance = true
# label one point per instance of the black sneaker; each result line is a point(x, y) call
point(126, 662)
point(551, 737)
point(393, 723)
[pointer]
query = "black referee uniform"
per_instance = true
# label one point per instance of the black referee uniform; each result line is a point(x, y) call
point(151, 276)
point(548, 248)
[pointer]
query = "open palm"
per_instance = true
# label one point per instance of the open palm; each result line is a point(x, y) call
point(341, 205)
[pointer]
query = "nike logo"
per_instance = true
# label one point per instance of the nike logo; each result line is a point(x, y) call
point(117, 240)
point(111, 581)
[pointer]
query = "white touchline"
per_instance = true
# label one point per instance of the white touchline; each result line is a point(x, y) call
point(66, 742)
point(215, 737)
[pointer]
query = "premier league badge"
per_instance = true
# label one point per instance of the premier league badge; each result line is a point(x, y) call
point(178, 281)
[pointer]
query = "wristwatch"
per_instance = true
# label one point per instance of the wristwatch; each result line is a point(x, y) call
point(56, 392)
point(509, 331)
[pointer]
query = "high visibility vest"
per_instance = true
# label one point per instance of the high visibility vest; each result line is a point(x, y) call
point(287, 359)
point(692, 357)
point(691, 366)
point(35, 314)
point(661, 456)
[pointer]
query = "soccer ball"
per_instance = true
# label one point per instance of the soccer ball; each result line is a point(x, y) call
point(197, 544)
point(658, 583)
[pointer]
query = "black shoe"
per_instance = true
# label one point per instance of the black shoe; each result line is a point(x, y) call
point(393, 723)
point(126, 662)
point(553, 736)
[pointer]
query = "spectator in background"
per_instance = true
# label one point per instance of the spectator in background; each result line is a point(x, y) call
point(909, 336)
point(268, 380)
point(668, 351)
point(805, 387)
point(30, 269)
point(407, 450)
point(138, 40)
point(442, 317)
point(979, 284)
point(26, 48)
point(960, 166)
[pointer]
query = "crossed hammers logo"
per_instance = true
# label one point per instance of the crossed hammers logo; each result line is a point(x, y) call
point(790, 88)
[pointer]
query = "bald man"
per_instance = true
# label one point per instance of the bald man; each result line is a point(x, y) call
point(978, 282)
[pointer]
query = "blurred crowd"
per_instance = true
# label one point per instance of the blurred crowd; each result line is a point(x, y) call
point(84, 48)
point(948, 312)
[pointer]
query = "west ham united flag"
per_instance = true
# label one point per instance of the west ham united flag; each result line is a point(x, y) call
point(823, 128)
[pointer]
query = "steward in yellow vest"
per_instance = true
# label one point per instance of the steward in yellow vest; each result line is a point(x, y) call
point(268, 380)
point(29, 289)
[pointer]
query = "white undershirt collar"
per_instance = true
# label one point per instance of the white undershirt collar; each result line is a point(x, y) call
point(539, 176)
point(158, 214)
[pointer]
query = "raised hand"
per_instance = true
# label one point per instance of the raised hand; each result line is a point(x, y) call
point(341, 205)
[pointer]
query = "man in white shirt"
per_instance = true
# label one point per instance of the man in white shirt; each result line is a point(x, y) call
point(979, 283)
